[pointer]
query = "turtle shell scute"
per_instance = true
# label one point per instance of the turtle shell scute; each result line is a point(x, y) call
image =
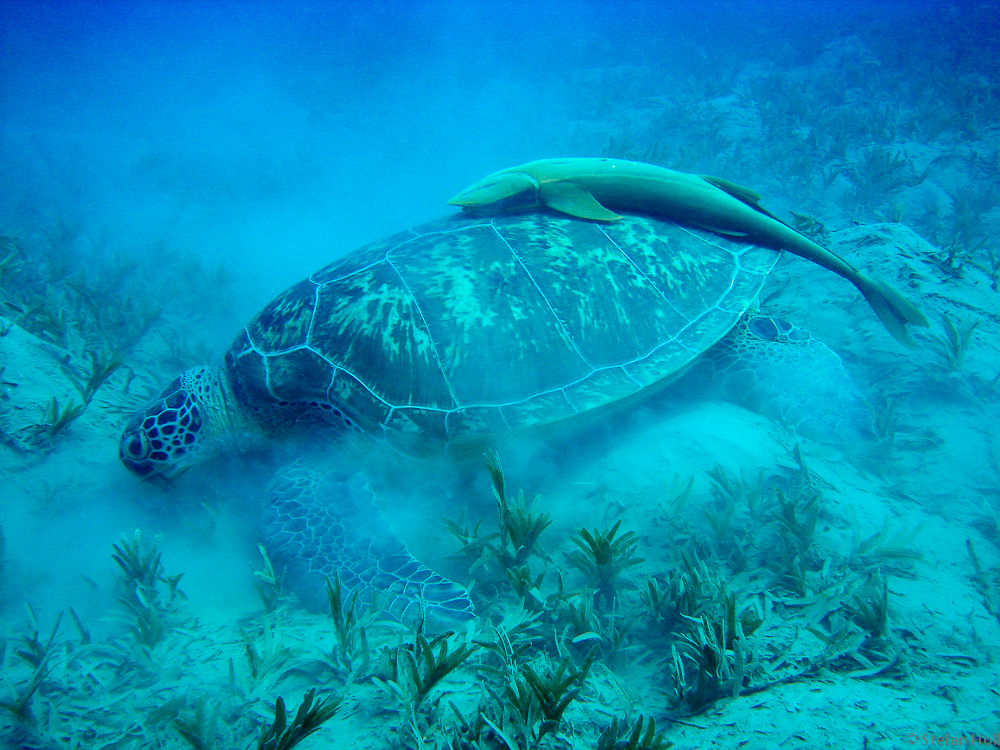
point(466, 327)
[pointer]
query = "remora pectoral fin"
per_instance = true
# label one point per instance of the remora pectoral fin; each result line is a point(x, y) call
point(570, 198)
point(721, 231)
point(494, 188)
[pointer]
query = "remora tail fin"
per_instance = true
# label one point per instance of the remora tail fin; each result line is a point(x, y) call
point(892, 308)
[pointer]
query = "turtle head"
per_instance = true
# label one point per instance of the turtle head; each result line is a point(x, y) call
point(167, 436)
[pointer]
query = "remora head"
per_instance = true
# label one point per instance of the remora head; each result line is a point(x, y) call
point(167, 437)
point(501, 190)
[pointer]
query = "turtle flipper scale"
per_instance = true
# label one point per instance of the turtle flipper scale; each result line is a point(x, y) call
point(319, 525)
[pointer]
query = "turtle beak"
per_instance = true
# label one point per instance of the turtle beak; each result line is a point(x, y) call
point(169, 476)
point(164, 480)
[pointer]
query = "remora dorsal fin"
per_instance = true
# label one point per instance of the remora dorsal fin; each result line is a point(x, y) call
point(740, 193)
point(570, 198)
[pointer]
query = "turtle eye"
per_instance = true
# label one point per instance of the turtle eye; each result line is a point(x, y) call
point(136, 449)
point(134, 446)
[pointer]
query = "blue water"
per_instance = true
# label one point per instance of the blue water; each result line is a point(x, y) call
point(167, 168)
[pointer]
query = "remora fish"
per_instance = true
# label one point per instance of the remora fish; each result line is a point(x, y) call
point(594, 188)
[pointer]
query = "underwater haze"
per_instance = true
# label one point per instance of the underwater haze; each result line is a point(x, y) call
point(786, 536)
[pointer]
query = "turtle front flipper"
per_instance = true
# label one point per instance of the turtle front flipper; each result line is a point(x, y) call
point(319, 524)
point(783, 372)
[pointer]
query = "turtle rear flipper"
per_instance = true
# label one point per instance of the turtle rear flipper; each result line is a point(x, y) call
point(319, 525)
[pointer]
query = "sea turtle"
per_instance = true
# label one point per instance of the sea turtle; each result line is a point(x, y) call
point(464, 329)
